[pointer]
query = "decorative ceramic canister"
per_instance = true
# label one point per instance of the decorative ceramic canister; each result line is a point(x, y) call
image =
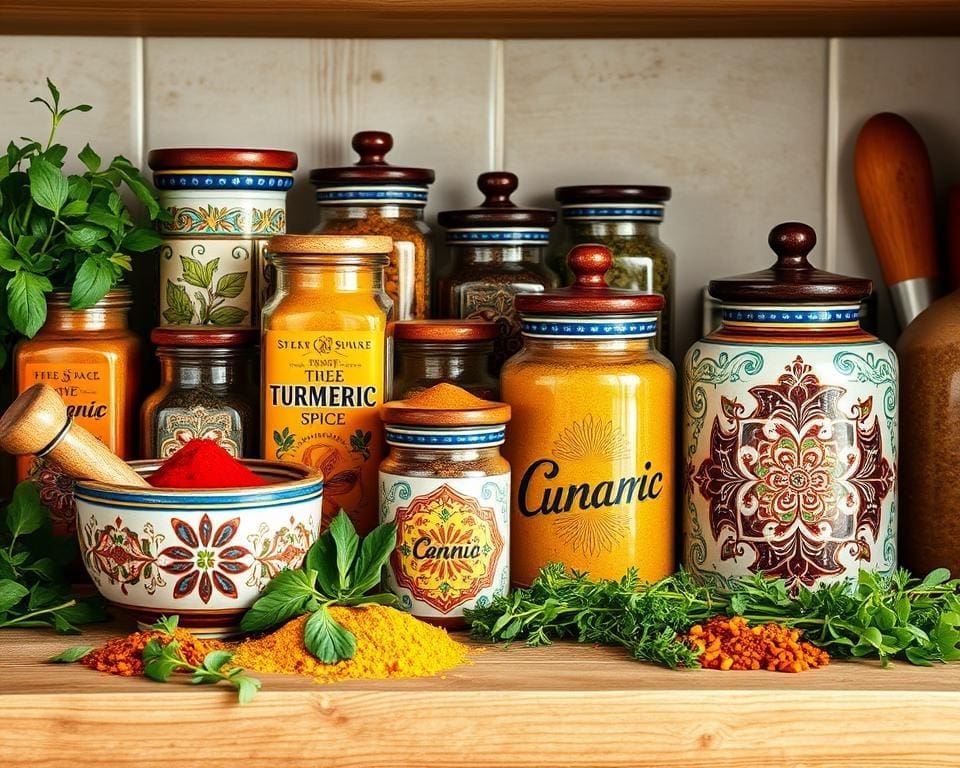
point(224, 204)
point(790, 429)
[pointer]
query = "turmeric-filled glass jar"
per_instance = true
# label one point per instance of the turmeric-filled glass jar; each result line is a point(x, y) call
point(374, 197)
point(326, 364)
point(453, 351)
point(92, 359)
point(591, 440)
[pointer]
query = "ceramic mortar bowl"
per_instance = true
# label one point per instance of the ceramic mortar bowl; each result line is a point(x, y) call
point(202, 554)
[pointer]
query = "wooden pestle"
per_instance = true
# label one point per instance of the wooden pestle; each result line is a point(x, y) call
point(37, 423)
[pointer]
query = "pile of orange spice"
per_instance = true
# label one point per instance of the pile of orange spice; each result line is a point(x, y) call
point(731, 643)
point(124, 655)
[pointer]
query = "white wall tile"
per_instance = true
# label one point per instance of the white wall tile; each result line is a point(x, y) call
point(100, 71)
point(918, 78)
point(736, 127)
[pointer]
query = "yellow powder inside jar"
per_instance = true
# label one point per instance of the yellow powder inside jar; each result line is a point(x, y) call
point(390, 644)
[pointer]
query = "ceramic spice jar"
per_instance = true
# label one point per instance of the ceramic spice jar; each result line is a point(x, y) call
point(447, 488)
point(790, 428)
point(326, 364)
point(209, 388)
point(626, 219)
point(591, 441)
point(459, 352)
point(495, 251)
point(224, 204)
point(374, 197)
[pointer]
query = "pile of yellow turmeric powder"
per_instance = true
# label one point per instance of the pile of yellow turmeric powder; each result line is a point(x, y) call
point(390, 643)
point(731, 643)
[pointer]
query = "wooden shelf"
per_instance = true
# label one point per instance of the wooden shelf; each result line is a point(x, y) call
point(482, 18)
point(560, 706)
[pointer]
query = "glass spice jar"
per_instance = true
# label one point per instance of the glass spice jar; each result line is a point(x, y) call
point(626, 219)
point(447, 488)
point(455, 351)
point(327, 357)
point(496, 251)
point(373, 197)
point(209, 388)
point(93, 360)
point(591, 441)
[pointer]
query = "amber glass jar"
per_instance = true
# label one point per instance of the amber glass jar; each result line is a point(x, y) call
point(626, 219)
point(209, 388)
point(495, 251)
point(454, 351)
point(447, 488)
point(93, 360)
point(591, 442)
point(376, 198)
point(326, 353)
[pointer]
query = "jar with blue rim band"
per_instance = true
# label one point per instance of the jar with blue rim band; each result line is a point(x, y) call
point(223, 205)
point(374, 197)
point(626, 219)
point(495, 251)
point(447, 488)
point(591, 439)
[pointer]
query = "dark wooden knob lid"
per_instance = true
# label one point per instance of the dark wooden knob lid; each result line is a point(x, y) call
point(372, 167)
point(498, 211)
point(792, 279)
point(589, 264)
point(372, 146)
point(497, 186)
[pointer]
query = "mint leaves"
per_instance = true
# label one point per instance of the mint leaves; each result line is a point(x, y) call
point(161, 661)
point(339, 569)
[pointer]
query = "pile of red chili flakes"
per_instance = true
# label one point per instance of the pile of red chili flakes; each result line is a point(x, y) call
point(731, 643)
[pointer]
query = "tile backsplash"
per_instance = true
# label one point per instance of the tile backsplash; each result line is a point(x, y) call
point(747, 132)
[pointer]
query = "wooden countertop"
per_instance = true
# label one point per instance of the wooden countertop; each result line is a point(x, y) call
point(565, 705)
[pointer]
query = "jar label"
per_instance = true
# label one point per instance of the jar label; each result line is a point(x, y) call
point(453, 541)
point(322, 396)
point(176, 426)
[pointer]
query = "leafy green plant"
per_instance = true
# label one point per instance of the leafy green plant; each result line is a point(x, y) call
point(882, 617)
point(284, 441)
point(209, 307)
point(360, 443)
point(63, 232)
point(339, 569)
point(34, 590)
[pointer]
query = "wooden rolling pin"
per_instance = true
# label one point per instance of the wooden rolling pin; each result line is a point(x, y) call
point(37, 424)
point(895, 183)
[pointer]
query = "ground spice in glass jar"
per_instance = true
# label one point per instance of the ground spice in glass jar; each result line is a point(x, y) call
point(447, 488)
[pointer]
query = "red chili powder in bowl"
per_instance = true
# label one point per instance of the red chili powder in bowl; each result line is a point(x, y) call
point(203, 464)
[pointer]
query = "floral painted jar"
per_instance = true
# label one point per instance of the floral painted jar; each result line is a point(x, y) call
point(447, 488)
point(790, 429)
point(496, 251)
point(591, 439)
point(223, 205)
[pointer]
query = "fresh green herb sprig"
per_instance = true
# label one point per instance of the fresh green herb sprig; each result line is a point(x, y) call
point(883, 617)
point(58, 231)
point(339, 569)
point(34, 590)
point(161, 661)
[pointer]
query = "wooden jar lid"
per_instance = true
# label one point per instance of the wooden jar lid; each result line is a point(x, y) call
point(589, 294)
point(792, 279)
point(445, 405)
point(372, 167)
point(330, 244)
point(222, 157)
point(445, 330)
point(612, 193)
point(199, 336)
point(497, 209)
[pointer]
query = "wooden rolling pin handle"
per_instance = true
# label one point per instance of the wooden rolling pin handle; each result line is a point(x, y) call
point(37, 423)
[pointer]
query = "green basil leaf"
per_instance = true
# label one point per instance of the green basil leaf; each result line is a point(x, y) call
point(231, 285)
point(54, 154)
point(374, 553)
point(384, 598)
point(83, 236)
point(94, 278)
point(161, 661)
point(79, 189)
point(227, 316)
point(26, 302)
point(137, 185)
point(48, 186)
point(247, 688)
point(11, 593)
point(90, 159)
point(289, 594)
point(936, 577)
point(346, 540)
point(44, 596)
point(45, 567)
point(327, 640)
point(166, 624)
point(85, 611)
point(71, 655)
point(214, 660)
point(55, 92)
point(179, 307)
point(74, 208)
point(25, 514)
point(322, 559)
point(194, 273)
point(140, 240)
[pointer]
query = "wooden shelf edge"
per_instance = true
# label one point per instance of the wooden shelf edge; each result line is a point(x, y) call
point(482, 18)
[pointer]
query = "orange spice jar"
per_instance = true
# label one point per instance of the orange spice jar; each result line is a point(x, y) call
point(591, 441)
point(326, 353)
point(92, 359)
